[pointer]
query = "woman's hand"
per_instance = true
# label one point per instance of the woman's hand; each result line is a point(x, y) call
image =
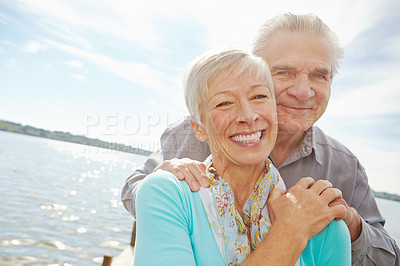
point(304, 209)
point(193, 172)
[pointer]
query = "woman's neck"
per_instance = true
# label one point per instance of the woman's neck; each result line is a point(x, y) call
point(240, 178)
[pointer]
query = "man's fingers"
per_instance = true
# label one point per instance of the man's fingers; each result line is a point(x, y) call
point(189, 178)
point(339, 212)
point(191, 171)
point(198, 171)
point(331, 194)
point(320, 186)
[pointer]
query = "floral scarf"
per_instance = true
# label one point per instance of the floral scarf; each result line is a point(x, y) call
point(232, 227)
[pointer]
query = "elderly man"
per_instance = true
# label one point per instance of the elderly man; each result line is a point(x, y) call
point(303, 54)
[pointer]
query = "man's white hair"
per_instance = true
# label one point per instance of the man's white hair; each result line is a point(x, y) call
point(300, 23)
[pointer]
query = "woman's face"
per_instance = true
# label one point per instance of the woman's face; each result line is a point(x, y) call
point(239, 119)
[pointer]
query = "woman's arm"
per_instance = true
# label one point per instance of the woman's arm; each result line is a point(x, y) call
point(297, 215)
point(162, 223)
point(332, 245)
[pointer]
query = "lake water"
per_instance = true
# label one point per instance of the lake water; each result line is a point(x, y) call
point(60, 202)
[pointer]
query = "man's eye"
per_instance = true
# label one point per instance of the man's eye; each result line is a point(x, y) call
point(285, 74)
point(320, 77)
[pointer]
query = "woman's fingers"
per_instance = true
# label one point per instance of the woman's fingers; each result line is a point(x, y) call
point(305, 182)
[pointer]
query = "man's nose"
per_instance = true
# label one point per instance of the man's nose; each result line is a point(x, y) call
point(302, 88)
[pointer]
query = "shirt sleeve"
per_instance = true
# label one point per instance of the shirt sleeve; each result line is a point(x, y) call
point(179, 141)
point(163, 224)
point(374, 246)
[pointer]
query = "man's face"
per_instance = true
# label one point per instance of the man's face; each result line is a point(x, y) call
point(301, 71)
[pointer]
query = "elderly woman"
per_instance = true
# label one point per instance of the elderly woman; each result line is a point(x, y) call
point(229, 95)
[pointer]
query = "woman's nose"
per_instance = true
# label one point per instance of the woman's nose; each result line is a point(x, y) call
point(246, 114)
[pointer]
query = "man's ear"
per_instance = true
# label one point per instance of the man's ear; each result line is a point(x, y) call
point(199, 131)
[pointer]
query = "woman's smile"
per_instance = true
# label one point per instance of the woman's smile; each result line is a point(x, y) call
point(250, 138)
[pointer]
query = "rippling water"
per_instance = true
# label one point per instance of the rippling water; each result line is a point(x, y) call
point(60, 202)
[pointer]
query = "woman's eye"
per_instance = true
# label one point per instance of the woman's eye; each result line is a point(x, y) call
point(282, 73)
point(260, 96)
point(222, 104)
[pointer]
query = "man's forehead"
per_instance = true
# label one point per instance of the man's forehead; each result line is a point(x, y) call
point(298, 50)
point(300, 67)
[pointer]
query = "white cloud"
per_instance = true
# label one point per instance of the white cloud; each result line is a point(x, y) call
point(78, 77)
point(75, 63)
point(11, 63)
point(392, 49)
point(225, 22)
point(140, 74)
point(379, 98)
point(56, 109)
point(34, 47)
point(127, 20)
point(7, 42)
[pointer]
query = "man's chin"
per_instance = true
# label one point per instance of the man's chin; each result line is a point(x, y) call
point(293, 128)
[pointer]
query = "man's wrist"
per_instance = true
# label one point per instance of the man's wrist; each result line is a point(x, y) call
point(355, 225)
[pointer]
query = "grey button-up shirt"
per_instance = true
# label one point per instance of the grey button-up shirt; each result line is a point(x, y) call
point(318, 156)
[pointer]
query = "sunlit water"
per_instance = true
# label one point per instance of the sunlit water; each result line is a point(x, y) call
point(60, 202)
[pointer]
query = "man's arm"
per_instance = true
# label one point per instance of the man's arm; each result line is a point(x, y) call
point(128, 195)
point(374, 246)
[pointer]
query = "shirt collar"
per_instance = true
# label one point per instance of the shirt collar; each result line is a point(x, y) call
point(309, 144)
point(305, 148)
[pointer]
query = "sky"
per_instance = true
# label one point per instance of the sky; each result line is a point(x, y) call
point(112, 69)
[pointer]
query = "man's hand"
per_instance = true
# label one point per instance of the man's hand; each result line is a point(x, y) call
point(352, 220)
point(193, 172)
point(304, 208)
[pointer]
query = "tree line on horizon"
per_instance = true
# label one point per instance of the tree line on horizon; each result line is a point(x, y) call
point(68, 137)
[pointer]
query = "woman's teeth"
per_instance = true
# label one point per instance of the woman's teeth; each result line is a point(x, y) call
point(248, 138)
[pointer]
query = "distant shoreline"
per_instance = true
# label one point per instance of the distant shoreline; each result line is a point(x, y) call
point(68, 137)
point(388, 196)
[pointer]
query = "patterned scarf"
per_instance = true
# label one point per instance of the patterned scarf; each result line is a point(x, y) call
point(236, 247)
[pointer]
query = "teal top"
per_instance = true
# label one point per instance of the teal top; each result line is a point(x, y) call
point(173, 229)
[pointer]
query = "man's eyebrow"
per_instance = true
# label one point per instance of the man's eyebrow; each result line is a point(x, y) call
point(282, 67)
point(322, 70)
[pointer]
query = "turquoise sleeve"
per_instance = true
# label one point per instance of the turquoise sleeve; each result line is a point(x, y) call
point(331, 247)
point(163, 236)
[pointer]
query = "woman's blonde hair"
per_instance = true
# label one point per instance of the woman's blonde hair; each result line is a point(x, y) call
point(216, 65)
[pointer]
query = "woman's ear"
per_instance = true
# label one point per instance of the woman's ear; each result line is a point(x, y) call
point(199, 131)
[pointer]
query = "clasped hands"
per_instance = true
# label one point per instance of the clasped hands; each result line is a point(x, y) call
point(306, 208)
